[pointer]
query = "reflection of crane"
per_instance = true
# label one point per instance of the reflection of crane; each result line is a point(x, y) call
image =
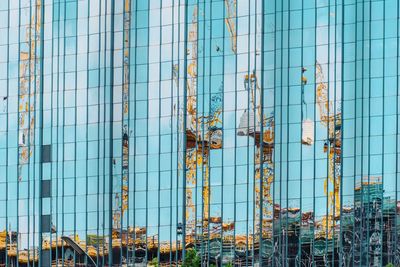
point(191, 87)
point(121, 189)
point(332, 146)
point(231, 23)
point(250, 125)
point(191, 123)
point(29, 82)
point(202, 132)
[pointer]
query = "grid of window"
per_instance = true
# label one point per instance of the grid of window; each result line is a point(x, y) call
point(225, 132)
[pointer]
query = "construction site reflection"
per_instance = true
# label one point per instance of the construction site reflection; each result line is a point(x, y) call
point(288, 232)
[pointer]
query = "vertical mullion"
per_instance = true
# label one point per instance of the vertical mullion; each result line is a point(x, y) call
point(87, 122)
point(302, 101)
point(31, 142)
point(159, 133)
point(134, 130)
point(281, 235)
point(199, 134)
point(51, 137)
point(41, 76)
point(254, 146)
point(7, 128)
point(369, 127)
point(203, 152)
point(257, 147)
point(248, 137)
point(274, 126)
point(334, 136)
point(236, 129)
point(98, 142)
point(76, 125)
point(342, 68)
point(185, 82)
point(286, 255)
point(397, 124)
point(111, 132)
point(383, 141)
point(209, 156)
point(205, 162)
point(105, 200)
point(29, 119)
point(147, 128)
point(353, 256)
point(18, 127)
point(222, 139)
point(362, 133)
point(63, 131)
point(177, 137)
point(196, 149)
point(171, 132)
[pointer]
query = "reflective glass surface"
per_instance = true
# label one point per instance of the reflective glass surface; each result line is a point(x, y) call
point(199, 133)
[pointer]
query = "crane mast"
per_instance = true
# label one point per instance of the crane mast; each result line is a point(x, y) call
point(332, 146)
point(231, 23)
point(29, 86)
point(250, 125)
point(203, 133)
point(121, 188)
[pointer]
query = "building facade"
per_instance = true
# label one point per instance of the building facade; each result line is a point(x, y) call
point(199, 132)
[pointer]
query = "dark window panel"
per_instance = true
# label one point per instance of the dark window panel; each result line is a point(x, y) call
point(46, 223)
point(46, 188)
point(46, 153)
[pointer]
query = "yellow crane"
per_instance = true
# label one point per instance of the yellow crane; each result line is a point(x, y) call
point(121, 187)
point(192, 157)
point(250, 125)
point(29, 84)
point(231, 23)
point(198, 142)
point(333, 120)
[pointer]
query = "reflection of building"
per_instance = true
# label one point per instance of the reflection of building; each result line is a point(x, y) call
point(138, 133)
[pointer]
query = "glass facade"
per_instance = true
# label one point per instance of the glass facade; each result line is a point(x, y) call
point(199, 132)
